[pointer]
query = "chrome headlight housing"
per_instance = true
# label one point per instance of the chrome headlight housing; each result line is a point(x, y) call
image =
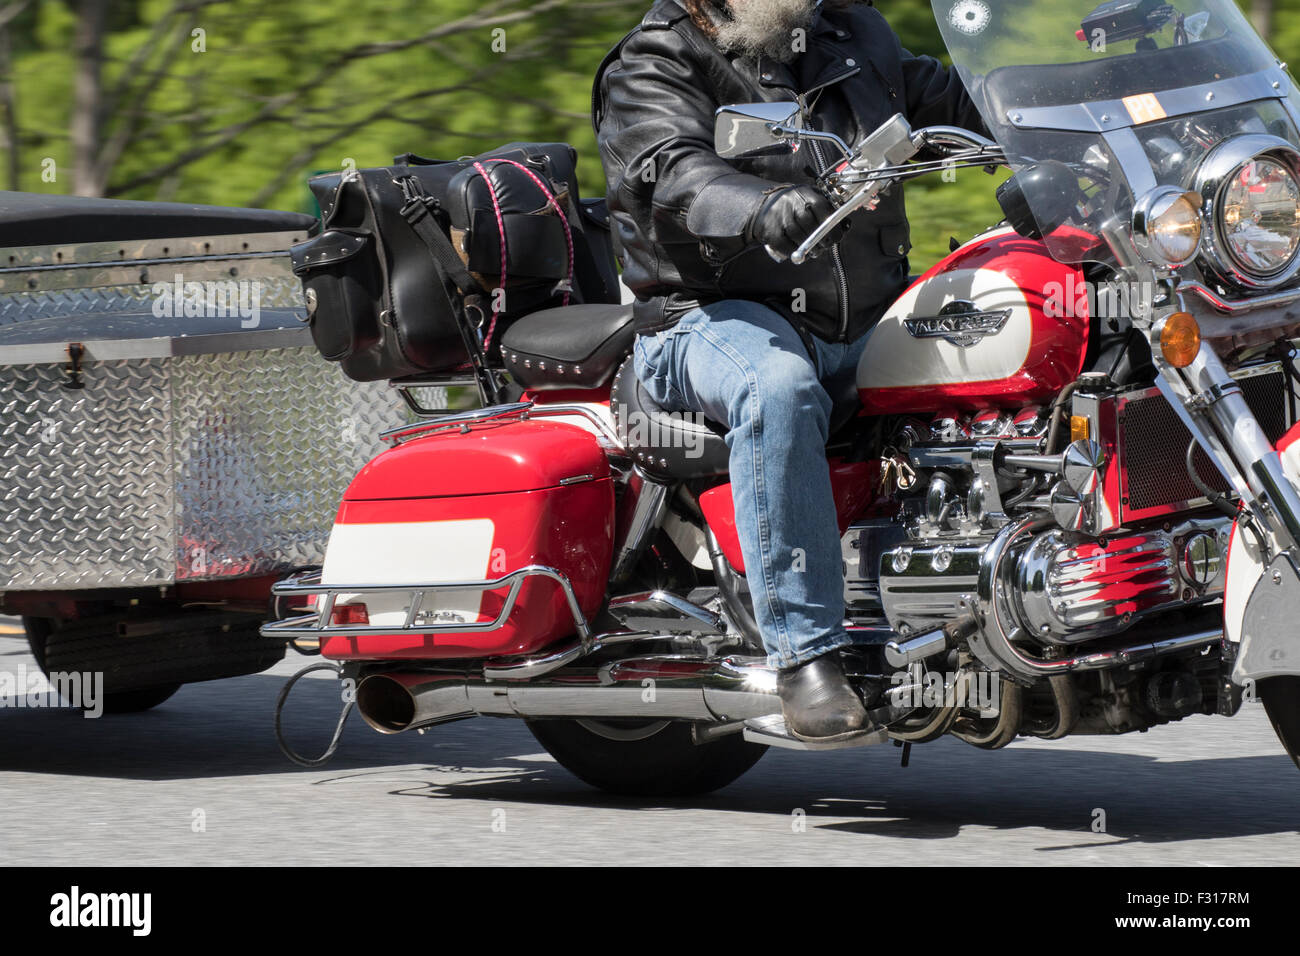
point(1167, 225)
point(1250, 186)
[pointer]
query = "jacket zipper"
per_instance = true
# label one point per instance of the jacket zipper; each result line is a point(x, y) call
point(841, 280)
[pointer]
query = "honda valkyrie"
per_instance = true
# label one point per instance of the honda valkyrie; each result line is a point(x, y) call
point(1068, 495)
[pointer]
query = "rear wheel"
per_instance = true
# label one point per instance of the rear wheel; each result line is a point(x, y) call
point(1281, 697)
point(657, 758)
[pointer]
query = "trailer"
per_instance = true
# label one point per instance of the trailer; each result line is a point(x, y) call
point(171, 444)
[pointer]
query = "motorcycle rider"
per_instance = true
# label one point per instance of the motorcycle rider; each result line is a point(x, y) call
point(723, 329)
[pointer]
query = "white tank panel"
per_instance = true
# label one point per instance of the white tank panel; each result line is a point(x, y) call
point(895, 358)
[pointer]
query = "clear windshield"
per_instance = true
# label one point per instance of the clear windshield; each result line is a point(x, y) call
point(1129, 94)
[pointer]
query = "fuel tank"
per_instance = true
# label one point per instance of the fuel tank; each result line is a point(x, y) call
point(998, 323)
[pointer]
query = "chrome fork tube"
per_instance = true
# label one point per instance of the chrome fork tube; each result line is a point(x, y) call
point(1211, 397)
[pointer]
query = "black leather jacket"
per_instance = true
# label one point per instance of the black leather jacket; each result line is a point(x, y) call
point(681, 212)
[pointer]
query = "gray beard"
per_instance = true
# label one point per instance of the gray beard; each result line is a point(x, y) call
point(764, 27)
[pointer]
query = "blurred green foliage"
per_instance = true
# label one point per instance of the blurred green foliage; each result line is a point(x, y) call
point(262, 95)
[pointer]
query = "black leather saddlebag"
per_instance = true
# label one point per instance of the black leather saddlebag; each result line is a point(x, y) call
point(420, 264)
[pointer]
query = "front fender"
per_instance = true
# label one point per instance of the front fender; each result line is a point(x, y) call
point(1261, 599)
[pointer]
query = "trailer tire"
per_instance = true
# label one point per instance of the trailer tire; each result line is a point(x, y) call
point(141, 674)
point(662, 762)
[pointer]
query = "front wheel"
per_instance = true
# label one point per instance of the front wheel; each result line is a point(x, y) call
point(1281, 697)
point(645, 758)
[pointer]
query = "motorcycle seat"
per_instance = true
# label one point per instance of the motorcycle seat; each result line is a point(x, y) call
point(667, 445)
point(575, 346)
point(673, 446)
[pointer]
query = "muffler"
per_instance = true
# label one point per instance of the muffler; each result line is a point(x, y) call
point(724, 690)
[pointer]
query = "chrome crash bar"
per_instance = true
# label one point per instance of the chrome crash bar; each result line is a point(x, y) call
point(317, 625)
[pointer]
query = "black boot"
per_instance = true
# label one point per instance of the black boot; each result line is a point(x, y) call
point(820, 705)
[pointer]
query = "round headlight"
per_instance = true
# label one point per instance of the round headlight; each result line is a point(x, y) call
point(1260, 216)
point(1251, 187)
point(1167, 225)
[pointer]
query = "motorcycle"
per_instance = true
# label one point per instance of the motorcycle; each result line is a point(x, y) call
point(1068, 497)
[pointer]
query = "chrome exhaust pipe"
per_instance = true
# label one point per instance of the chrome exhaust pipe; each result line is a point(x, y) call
point(729, 689)
point(392, 703)
point(726, 690)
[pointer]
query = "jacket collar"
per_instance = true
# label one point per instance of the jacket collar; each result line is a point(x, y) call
point(827, 60)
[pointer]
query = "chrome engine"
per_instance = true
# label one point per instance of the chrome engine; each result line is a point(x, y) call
point(1067, 587)
point(1016, 557)
point(1125, 533)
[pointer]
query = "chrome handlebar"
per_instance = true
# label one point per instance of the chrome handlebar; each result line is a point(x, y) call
point(856, 182)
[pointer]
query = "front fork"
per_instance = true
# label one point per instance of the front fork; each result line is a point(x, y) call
point(1262, 593)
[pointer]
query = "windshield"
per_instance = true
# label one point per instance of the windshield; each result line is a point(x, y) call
point(1129, 94)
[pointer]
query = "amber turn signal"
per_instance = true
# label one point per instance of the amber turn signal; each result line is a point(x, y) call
point(1180, 339)
point(1080, 428)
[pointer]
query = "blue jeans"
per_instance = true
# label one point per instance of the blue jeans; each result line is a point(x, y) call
point(743, 365)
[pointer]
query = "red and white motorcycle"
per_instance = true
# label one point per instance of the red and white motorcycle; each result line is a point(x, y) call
point(1069, 499)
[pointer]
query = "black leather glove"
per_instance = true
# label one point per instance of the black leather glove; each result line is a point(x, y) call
point(789, 216)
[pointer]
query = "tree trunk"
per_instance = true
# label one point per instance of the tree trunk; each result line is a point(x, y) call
point(1261, 17)
point(9, 120)
point(87, 99)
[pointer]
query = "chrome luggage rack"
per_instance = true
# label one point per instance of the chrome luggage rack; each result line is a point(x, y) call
point(317, 624)
point(522, 411)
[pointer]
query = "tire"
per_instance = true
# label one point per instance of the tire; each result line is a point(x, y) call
point(650, 759)
point(1281, 697)
point(143, 671)
point(122, 702)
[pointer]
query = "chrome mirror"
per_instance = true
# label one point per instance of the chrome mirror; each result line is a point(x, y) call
point(755, 129)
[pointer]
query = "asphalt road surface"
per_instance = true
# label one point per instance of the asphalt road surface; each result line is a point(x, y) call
point(200, 780)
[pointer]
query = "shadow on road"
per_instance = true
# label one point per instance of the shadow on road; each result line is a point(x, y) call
point(224, 729)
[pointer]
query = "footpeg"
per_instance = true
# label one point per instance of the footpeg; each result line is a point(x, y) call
point(771, 730)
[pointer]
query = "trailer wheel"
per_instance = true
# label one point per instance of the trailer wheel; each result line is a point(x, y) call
point(645, 758)
point(167, 647)
point(115, 702)
point(1281, 697)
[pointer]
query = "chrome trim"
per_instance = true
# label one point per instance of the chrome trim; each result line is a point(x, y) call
point(662, 611)
point(136, 252)
point(524, 411)
point(1234, 439)
point(917, 597)
point(723, 690)
point(605, 427)
point(650, 504)
point(1213, 174)
point(1134, 162)
point(318, 625)
point(526, 668)
point(1229, 306)
point(993, 643)
point(403, 433)
point(904, 653)
point(961, 454)
point(1108, 115)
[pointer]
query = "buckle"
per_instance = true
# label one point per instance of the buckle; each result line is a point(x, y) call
point(411, 189)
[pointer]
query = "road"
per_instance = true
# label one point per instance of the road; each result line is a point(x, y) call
point(200, 780)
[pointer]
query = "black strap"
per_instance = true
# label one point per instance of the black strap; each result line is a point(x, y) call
point(418, 211)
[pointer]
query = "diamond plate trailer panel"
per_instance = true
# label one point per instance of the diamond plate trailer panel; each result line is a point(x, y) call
point(197, 447)
point(189, 468)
